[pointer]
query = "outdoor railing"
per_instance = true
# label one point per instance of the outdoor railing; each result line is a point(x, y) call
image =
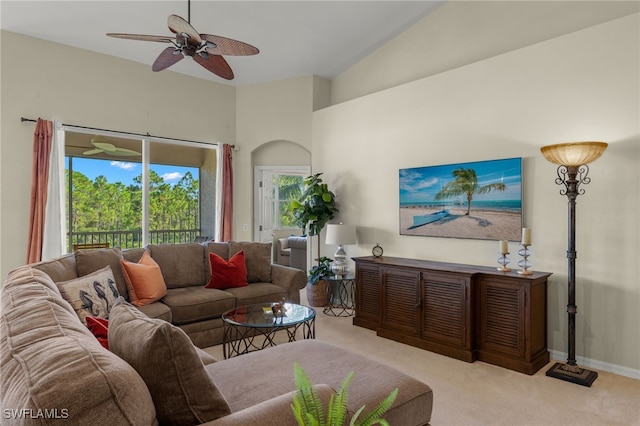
point(133, 239)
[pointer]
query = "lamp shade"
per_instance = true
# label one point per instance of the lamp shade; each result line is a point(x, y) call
point(341, 234)
point(574, 153)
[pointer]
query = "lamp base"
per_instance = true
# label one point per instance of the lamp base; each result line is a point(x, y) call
point(573, 374)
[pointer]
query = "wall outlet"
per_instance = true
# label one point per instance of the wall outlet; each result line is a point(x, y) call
point(245, 227)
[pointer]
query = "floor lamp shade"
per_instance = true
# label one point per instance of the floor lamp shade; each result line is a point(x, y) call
point(572, 160)
point(341, 235)
point(573, 154)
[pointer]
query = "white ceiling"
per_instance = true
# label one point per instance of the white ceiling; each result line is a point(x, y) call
point(295, 38)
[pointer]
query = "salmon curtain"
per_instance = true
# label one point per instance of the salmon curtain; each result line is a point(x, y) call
point(42, 141)
point(226, 211)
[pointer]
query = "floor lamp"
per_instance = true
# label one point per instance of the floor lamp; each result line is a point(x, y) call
point(572, 160)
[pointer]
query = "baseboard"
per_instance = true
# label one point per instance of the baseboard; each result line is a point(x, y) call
point(598, 365)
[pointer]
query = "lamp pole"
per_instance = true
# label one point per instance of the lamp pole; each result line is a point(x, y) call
point(568, 177)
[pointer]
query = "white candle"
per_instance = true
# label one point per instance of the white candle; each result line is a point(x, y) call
point(526, 236)
point(504, 247)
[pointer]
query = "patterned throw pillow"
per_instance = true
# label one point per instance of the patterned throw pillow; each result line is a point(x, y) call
point(92, 294)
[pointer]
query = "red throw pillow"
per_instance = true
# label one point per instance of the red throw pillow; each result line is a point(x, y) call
point(227, 273)
point(99, 327)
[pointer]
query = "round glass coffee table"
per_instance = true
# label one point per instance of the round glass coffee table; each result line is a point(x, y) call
point(253, 327)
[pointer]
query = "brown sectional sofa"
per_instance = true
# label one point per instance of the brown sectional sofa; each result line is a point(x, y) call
point(54, 371)
point(185, 268)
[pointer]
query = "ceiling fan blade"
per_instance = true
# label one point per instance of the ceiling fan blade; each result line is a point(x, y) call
point(125, 152)
point(216, 64)
point(177, 25)
point(228, 46)
point(161, 39)
point(92, 151)
point(104, 146)
point(167, 57)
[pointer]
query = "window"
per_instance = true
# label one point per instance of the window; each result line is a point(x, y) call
point(114, 198)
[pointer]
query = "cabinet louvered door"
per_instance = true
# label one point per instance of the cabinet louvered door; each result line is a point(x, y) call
point(367, 296)
point(501, 314)
point(400, 300)
point(446, 309)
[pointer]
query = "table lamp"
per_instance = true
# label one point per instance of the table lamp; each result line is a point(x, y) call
point(341, 235)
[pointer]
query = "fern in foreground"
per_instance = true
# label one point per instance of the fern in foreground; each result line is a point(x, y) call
point(308, 410)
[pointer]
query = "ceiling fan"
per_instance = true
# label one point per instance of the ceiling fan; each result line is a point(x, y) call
point(205, 49)
point(101, 145)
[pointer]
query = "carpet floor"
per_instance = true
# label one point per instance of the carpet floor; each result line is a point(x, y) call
point(483, 394)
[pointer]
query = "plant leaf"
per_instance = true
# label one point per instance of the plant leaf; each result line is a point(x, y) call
point(375, 416)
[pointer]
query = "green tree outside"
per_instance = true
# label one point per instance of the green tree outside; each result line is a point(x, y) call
point(101, 206)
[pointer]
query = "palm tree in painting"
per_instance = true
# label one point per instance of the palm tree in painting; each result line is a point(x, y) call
point(466, 183)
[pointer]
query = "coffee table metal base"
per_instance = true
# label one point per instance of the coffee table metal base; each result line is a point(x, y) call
point(240, 340)
point(254, 327)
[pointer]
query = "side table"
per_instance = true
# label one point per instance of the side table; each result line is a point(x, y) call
point(341, 296)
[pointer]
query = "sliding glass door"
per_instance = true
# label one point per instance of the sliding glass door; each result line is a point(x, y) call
point(127, 192)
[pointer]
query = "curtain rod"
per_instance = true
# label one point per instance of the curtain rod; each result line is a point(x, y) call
point(23, 119)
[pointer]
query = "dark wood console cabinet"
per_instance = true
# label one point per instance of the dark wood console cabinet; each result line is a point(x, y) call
point(463, 311)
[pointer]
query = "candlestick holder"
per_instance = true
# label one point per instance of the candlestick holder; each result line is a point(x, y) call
point(524, 263)
point(504, 261)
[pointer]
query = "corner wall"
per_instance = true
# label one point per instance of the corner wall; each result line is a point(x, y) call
point(582, 86)
point(274, 111)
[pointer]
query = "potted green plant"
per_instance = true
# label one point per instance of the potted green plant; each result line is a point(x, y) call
point(312, 211)
point(317, 284)
point(315, 207)
point(308, 410)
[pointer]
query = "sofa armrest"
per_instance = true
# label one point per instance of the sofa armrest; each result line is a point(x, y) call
point(272, 412)
point(291, 279)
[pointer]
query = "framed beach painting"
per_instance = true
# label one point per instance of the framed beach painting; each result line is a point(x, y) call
point(478, 200)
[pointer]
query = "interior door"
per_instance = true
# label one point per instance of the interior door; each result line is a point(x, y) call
point(264, 206)
point(272, 190)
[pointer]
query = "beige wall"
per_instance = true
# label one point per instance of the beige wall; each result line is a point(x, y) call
point(275, 111)
point(52, 81)
point(582, 86)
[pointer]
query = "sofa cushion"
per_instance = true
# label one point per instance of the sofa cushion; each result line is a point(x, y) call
point(166, 359)
point(134, 254)
point(92, 294)
point(257, 293)
point(227, 273)
point(50, 360)
point(157, 310)
point(145, 283)
point(59, 269)
point(182, 265)
point(191, 304)
point(257, 257)
point(221, 249)
point(88, 261)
